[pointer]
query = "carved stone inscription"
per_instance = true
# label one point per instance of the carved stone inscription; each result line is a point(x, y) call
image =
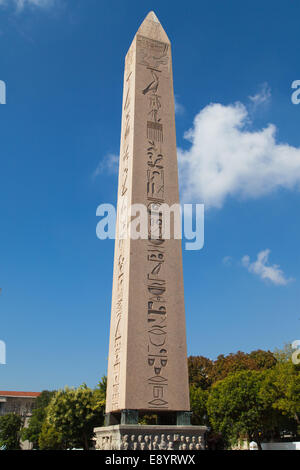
point(147, 367)
point(122, 261)
point(153, 55)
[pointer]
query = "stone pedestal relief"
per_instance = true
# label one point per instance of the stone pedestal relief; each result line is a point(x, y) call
point(150, 438)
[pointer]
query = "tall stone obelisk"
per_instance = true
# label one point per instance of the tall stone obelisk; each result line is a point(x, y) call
point(147, 367)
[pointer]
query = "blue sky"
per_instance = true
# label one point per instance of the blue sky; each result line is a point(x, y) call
point(62, 62)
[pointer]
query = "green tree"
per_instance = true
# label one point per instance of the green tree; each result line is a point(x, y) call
point(203, 372)
point(51, 439)
point(200, 371)
point(102, 386)
point(281, 390)
point(32, 432)
point(263, 360)
point(73, 413)
point(198, 399)
point(256, 360)
point(10, 431)
point(235, 408)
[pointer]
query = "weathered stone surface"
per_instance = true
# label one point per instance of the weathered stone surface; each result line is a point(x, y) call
point(147, 367)
point(140, 437)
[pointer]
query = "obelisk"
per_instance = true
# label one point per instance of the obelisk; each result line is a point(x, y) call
point(147, 365)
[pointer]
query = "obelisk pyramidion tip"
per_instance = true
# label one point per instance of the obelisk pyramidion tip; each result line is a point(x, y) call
point(152, 16)
point(152, 28)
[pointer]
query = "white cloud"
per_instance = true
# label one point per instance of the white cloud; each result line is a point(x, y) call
point(227, 260)
point(179, 108)
point(226, 159)
point(21, 4)
point(262, 97)
point(109, 165)
point(261, 268)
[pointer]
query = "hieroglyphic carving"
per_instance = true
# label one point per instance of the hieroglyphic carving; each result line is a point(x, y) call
point(127, 109)
point(154, 56)
point(155, 183)
point(121, 241)
point(155, 131)
point(154, 125)
point(152, 53)
point(156, 285)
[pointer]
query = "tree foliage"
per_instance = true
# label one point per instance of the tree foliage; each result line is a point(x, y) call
point(235, 408)
point(34, 429)
point(198, 399)
point(51, 439)
point(281, 390)
point(253, 394)
point(10, 431)
point(256, 360)
point(71, 417)
point(204, 372)
point(200, 371)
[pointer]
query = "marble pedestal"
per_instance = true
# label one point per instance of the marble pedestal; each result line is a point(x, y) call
point(149, 437)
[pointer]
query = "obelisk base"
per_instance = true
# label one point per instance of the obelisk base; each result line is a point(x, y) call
point(149, 437)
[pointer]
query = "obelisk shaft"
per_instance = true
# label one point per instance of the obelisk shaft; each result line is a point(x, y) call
point(147, 367)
